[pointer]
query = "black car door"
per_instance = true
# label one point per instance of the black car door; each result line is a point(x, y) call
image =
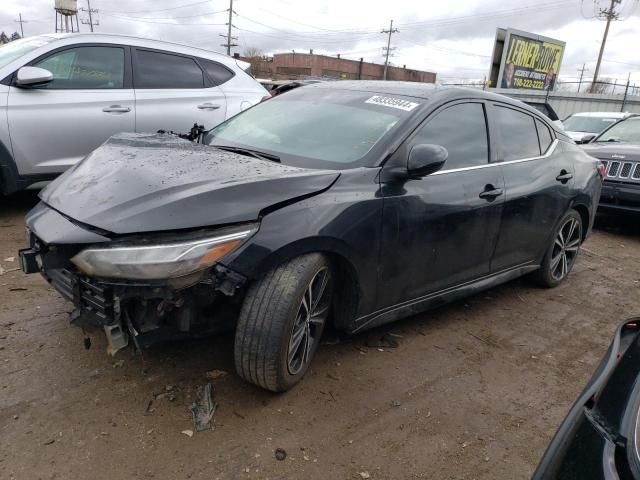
point(440, 230)
point(538, 180)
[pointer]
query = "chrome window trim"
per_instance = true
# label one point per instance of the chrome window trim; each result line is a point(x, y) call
point(548, 153)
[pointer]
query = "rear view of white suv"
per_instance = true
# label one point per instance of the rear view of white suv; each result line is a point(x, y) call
point(63, 95)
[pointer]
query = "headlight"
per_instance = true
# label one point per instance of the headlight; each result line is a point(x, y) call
point(163, 260)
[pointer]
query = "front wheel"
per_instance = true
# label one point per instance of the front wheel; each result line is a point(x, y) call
point(562, 253)
point(281, 322)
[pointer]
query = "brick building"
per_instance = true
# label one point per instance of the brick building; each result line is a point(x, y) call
point(291, 66)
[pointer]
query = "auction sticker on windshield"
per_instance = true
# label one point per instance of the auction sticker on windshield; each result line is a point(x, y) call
point(392, 102)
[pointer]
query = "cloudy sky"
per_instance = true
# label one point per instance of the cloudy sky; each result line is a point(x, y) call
point(452, 38)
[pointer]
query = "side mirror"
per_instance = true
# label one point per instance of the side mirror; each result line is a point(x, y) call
point(28, 76)
point(586, 139)
point(426, 159)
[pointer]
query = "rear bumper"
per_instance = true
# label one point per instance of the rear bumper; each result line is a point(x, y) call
point(620, 197)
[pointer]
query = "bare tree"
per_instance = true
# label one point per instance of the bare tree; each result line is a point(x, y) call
point(252, 52)
point(255, 57)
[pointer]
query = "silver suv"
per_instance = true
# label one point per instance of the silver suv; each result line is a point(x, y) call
point(63, 95)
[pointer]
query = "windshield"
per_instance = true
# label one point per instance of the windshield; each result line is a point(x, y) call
point(13, 50)
point(587, 124)
point(627, 131)
point(316, 127)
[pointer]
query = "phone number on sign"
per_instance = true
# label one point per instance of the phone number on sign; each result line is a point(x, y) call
point(528, 83)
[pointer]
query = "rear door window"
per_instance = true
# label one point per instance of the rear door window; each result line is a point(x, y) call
point(166, 71)
point(517, 134)
point(462, 130)
point(85, 68)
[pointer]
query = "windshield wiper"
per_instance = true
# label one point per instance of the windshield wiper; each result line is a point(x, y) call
point(251, 153)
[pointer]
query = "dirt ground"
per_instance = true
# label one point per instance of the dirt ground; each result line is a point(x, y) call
point(475, 390)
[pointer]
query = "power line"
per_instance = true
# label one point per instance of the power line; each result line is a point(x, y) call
point(388, 49)
point(161, 9)
point(169, 18)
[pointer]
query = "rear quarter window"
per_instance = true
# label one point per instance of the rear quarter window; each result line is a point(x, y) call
point(218, 74)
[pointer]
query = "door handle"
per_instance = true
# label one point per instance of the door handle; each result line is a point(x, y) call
point(490, 193)
point(564, 176)
point(116, 109)
point(208, 106)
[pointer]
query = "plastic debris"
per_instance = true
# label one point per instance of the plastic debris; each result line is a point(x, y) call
point(388, 340)
point(213, 374)
point(365, 475)
point(188, 433)
point(203, 408)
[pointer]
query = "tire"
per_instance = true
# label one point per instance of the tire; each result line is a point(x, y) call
point(561, 254)
point(274, 312)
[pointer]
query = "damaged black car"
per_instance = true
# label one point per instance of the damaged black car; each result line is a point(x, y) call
point(350, 203)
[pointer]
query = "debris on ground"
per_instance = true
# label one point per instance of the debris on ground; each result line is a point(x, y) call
point(388, 340)
point(365, 475)
point(10, 259)
point(118, 363)
point(3, 271)
point(215, 373)
point(168, 393)
point(281, 454)
point(188, 433)
point(203, 408)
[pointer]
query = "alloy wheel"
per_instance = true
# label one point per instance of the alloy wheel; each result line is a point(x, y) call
point(565, 248)
point(309, 322)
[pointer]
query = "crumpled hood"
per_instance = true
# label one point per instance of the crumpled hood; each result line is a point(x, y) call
point(138, 183)
point(613, 151)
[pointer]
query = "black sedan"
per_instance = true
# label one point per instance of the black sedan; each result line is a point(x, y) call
point(355, 203)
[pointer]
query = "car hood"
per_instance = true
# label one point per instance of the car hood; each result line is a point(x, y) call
point(138, 183)
point(575, 135)
point(613, 151)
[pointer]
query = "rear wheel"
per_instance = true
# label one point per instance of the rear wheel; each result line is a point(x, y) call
point(281, 322)
point(562, 253)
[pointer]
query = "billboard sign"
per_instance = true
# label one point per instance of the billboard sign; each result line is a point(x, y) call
point(525, 60)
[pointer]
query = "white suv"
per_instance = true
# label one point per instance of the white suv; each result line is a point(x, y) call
point(63, 95)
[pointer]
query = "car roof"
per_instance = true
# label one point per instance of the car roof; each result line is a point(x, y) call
point(130, 39)
point(427, 91)
point(601, 114)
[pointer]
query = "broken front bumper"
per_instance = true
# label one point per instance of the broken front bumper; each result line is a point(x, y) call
point(143, 313)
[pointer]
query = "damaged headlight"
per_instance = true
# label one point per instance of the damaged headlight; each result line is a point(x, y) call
point(162, 260)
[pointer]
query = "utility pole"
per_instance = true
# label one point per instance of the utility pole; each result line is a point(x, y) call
point(90, 11)
point(609, 14)
point(582, 70)
point(626, 91)
point(20, 21)
point(228, 36)
point(387, 49)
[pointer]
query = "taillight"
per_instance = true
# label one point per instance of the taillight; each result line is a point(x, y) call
point(602, 170)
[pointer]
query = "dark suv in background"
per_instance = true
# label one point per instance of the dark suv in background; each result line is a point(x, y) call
point(618, 147)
